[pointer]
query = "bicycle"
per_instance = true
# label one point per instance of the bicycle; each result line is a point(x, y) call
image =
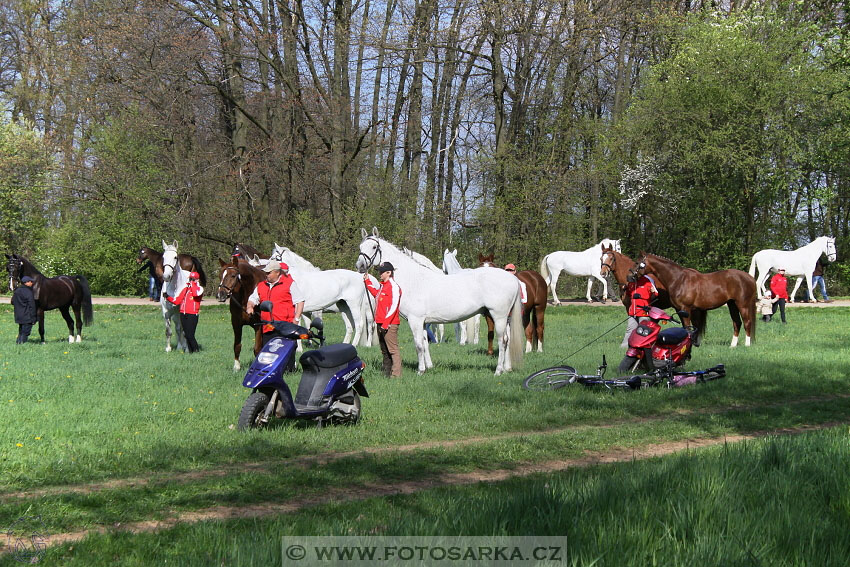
point(557, 377)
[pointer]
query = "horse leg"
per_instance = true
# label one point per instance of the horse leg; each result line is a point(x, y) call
point(490, 333)
point(796, 287)
point(528, 325)
point(748, 312)
point(539, 314)
point(68, 321)
point(697, 319)
point(40, 313)
point(504, 362)
point(178, 330)
point(476, 329)
point(167, 317)
point(426, 347)
point(352, 329)
point(78, 316)
point(760, 284)
point(553, 285)
point(420, 340)
point(736, 323)
point(604, 286)
point(809, 289)
point(460, 332)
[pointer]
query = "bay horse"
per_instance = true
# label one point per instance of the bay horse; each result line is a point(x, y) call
point(697, 293)
point(799, 262)
point(61, 292)
point(432, 297)
point(249, 254)
point(533, 310)
point(237, 281)
point(620, 265)
point(187, 261)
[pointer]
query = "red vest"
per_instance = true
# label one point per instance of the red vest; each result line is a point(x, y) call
point(389, 300)
point(641, 294)
point(280, 296)
point(189, 299)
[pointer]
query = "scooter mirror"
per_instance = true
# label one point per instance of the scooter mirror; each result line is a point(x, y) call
point(265, 306)
point(317, 323)
point(683, 314)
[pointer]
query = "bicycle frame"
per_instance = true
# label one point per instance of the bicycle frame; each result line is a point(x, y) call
point(560, 376)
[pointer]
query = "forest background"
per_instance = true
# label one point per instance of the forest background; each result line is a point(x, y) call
point(702, 131)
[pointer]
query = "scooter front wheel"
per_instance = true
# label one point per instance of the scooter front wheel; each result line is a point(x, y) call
point(253, 409)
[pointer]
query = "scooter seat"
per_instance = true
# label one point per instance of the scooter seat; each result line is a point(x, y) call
point(672, 336)
point(329, 356)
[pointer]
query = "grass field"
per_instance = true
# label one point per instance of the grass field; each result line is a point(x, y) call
point(114, 431)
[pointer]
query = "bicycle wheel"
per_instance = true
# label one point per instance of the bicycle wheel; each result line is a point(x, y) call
point(550, 378)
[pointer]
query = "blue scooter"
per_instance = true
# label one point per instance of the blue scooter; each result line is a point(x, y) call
point(331, 379)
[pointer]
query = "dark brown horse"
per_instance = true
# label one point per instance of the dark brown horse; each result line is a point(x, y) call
point(697, 293)
point(62, 293)
point(187, 262)
point(241, 250)
point(237, 281)
point(533, 310)
point(620, 266)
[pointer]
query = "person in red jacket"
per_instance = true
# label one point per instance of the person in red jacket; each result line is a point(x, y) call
point(387, 317)
point(189, 300)
point(779, 287)
point(642, 292)
point(279, 288)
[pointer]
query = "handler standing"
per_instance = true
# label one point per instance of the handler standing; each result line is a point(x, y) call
point(387, 317)
point(189, 300)
point(279, 288)
point(25, 311)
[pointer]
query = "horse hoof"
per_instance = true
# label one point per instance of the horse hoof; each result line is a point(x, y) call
point(79, 339)
point(168, 349)
point(70, 339)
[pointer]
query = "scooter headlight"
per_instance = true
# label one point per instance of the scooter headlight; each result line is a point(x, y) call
point(266, 357)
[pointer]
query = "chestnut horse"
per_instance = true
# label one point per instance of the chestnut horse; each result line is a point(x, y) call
point(697, 293)
point(620, 265)
point(237, 281)
point(533, 310)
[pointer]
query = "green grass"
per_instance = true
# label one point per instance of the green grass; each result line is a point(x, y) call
point(117, 406)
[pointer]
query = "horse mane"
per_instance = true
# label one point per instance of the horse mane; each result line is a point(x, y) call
point(200, 269)
point(28, 266)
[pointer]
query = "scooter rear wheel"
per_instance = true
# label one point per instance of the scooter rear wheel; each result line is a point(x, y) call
point(348, 409)
point(254, 407)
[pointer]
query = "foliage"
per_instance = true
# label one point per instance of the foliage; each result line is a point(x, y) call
point(24, 176)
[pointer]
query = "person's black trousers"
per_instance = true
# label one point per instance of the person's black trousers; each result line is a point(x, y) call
point(24, 333)
point(190, 323)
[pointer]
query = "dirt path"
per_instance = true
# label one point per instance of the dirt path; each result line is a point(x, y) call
point(324, 458)
point(350, 494)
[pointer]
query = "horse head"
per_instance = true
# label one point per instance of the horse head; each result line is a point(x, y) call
point(608, 260)
point(640, 267)
point(829, 248)
point(143, 255)
point(486, 261)
point(370, 251)
point(170, 261)
point(229, 280)
point(15, 267)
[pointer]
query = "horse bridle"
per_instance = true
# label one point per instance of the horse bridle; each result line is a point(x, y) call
point(173, 267)
point(640, 266)
point(229, 290)
point(371, 259)
point(611, 265)
point(14, 268)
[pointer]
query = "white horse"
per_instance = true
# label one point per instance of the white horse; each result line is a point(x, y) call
point(799, 262)
point(428, 297)
point(175, 279)
point(586, 263)
point(339, 291)
point(425, 261)
point(470, 326)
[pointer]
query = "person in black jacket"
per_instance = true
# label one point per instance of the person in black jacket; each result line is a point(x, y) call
point(25, 311)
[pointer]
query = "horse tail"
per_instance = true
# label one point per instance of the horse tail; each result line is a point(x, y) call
point(753, 265)
point(516, 343)
point(88, 313)
point(544, 269)
point(200, 269)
